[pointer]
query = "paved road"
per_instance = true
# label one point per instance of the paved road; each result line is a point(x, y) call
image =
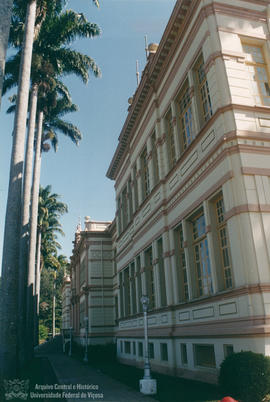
point(80, 382)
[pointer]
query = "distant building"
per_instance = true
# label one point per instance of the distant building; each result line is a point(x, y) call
point(66, 306)
point(192, 181)
point(92, 283)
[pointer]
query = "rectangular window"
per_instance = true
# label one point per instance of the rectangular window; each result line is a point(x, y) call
point(170, 141)
point(116, 308)
point(185, 116)
point(223, 243)
point(164, 351)
point(181, 265)
point(119, 215)
point(121, 292)
point(127, 291)
point(228, 350)
point(140, 349)
point(150, 284)
point(161, 272)
point(121, 346)
point(155, 158)
point(259, 75)
point(139, 281)
point(127, 347)
point(130, 205)
point(134, 347)
point(145, 174)
point(135, 188)
point(125, 207)
point(133, 288)
point(83, 271)
point(184, 358)
point(82, 314)
point(151, 350)
point(201, 255)
point(204, 355)
point(204, 99)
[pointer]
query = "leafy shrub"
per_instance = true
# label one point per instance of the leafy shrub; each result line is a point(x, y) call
point(43, 332)
point(245, 376)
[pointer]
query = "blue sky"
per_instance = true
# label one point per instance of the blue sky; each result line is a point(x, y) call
point(78, 173)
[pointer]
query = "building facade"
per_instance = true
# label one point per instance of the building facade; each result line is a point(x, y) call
point(92, 284)
point(192, 183)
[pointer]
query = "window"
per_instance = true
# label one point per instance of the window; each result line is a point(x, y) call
point(140, 349)
point(257, 68)
point(201, 255)
point(151, 350)
point(181, 264)
point(82, 314)
point(145, 174)
point(155, 159)
point(127, 347)
point(125, 207)
point(161, 272)
point(135, 188)
point(121, 346)
point(121, 291)
point(164, 351)
point(134, 347)
point(133, 288)
point(228, 350)
point(139, 281)
point(127, 291)
point(204, 99)
point(83, 271)
point(130, 206)
point(184, 359)
point(116, 308)
point(150, 284)
point(223, 243)
point(170, 141)
point(185, 116)
point(119, 212)
point(205, 355)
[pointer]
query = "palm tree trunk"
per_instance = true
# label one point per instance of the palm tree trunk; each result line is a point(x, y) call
point(33, 239)
point(10, 262)
point(37, 290)
point(27, 180)
point(5, 14)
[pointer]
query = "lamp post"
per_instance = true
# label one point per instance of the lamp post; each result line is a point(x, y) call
point(70, 340)
point(148, 385)
point(85, 359)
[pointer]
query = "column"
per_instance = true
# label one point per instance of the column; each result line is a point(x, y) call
point(194, 108)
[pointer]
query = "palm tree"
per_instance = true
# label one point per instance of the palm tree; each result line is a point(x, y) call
point(50, 58)
point(49, 211)
point(5, 14)
point(10, 262)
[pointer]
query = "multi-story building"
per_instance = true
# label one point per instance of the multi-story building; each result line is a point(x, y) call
point(66, 306)
point(92, 286)
point(192, 182)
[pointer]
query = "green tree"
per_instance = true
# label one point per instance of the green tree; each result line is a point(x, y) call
point(13, 207)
